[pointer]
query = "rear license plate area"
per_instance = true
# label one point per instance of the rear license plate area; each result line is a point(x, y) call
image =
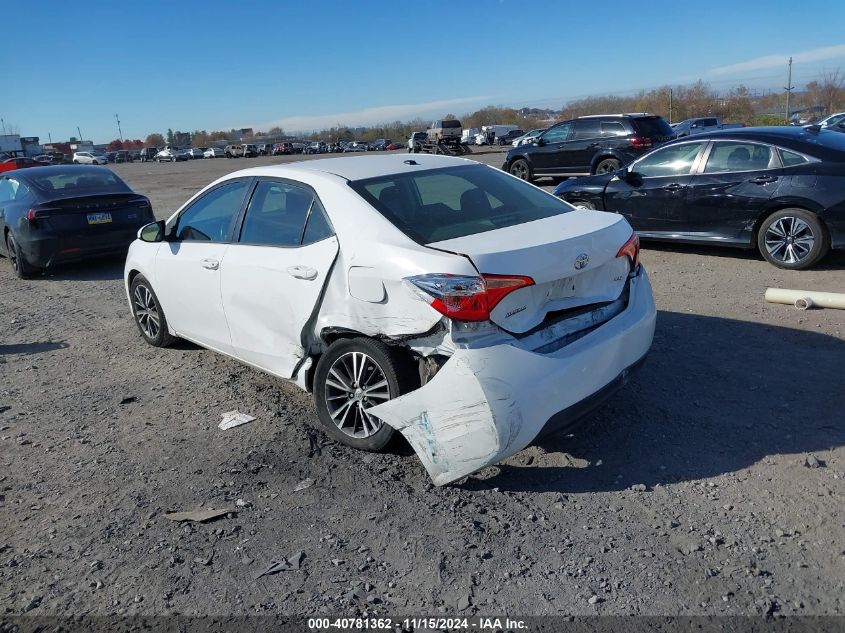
point(99, 218)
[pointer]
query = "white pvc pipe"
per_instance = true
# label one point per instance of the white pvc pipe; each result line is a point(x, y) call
point(803, 299)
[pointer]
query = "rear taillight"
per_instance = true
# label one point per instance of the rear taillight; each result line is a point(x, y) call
point(631, 250)
point(465, 297)
point(36, 214)
point(640, 142)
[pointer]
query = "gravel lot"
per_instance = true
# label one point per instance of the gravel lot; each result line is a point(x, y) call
point(690, 492)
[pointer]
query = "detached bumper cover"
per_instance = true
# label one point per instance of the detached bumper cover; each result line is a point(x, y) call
point(485, 405)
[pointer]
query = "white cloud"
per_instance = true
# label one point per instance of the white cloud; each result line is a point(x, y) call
point(369, 116)
point(776, 61)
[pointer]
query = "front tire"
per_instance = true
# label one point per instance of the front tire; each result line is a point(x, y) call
point(22, 268)
point(354, 375)
point(794, 239)
point(521, 169)
point(149, 316)
point(607, 166)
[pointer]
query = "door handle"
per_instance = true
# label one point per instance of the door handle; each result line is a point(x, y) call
point(302, 272)
point(211, 264)
point(762, 180)
point(673, 187)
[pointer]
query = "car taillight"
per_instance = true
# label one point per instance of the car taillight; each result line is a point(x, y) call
point(36, 214)
point(631, 250)
point(640, 142)
point(465, 297)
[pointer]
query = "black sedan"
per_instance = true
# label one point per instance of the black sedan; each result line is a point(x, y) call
point(57, 214)
point(778, 189)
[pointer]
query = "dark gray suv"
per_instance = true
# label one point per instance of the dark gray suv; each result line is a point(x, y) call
point(588, 145)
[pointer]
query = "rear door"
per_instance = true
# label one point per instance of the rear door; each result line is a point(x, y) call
point(550, 155)
point(586, 141)
point(187, 267)
point(735, 182)
point(656, 189)
point(273, 275)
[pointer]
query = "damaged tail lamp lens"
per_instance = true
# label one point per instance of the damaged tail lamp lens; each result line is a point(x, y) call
point(464, 297)
point(631, 249)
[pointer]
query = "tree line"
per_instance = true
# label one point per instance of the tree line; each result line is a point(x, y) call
point(738, 105)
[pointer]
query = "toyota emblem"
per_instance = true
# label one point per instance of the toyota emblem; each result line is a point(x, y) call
point(581, 261)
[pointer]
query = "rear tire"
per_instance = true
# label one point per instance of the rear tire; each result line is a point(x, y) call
point(342, 396)
point(148, 313)
point(521, 169)
point(608, 165)
point(793, 239)
point(22, 268)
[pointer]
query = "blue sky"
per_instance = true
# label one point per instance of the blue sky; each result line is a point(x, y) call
point(187, 64)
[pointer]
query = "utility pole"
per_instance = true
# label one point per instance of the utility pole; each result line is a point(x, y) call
point(80, 133)
point(789, 87)
point(670, 106)
point(119, 131)
point(3, 123)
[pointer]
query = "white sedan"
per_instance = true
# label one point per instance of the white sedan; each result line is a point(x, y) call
point(213, 152)
point(435, 297)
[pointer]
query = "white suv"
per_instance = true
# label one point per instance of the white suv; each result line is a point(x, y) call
point(89, 158)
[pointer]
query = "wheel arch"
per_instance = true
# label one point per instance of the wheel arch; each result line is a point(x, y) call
point(788, 203)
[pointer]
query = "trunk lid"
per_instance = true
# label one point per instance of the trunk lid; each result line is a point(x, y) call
point(571, 258)
point(96, 213)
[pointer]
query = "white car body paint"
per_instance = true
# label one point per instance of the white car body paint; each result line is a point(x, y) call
point(268, 306)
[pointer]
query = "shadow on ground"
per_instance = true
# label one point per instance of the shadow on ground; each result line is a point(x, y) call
point(32, 348)
point(103, 269)
point(715, 396)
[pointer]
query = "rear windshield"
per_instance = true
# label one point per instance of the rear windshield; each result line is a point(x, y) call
point(652, 126)
point(440, 204)
point(77, 182)
point(451, 123)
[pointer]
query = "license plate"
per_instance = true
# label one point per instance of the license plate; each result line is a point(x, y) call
point(99, 218)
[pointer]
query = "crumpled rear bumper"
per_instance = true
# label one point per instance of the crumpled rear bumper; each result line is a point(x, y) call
point(487, 404)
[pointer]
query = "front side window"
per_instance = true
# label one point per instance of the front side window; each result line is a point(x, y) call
point(558, 133)
point(728, 156)
point(674, 160)
point(442, 204)
point(276, 215)
point(210, 217)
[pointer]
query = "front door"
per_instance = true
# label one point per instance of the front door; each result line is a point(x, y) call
point(187, 267)
point(656, 187)
point(273, 276)
point(549, 155)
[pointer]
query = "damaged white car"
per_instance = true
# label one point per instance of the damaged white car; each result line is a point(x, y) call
point(437, 297)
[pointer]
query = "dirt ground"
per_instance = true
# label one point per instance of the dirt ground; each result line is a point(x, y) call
point(712, 484)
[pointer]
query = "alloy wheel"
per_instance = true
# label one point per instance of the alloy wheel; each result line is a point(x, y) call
point(789, 239)
point(520, 170)
point(13, 253)
point(146, 311)
point(355, 383)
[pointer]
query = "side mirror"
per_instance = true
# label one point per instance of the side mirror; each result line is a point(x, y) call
point(623, 174)
point(539, 141)
point(153, 232)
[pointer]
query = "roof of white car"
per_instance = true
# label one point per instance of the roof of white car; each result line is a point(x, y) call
point(360, 167)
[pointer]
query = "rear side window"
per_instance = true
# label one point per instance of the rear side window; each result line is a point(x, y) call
point(652, 126)
point(442, 204)
point(613, 128)
point(727, 156)
point(587, 128)
point(790, 159)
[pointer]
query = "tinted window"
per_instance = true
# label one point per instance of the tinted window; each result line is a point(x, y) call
point(450, 123)
point(791, 159)
point(613, 128)
point(209, 217)
point(77, 181)
point(12, 189)
point(558, 133)
point(318, 227)
point(707, 122)
point(732, 156)
point(435, 205)
point(587, 128)
point(652, 126)
point(669, 161)
point(276, 215)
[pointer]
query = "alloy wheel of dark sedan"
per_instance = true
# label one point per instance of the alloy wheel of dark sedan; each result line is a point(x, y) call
point(789, 239)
